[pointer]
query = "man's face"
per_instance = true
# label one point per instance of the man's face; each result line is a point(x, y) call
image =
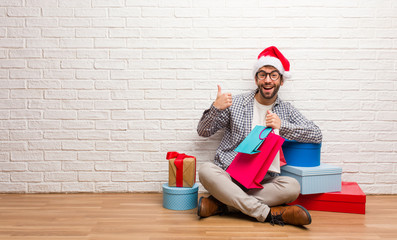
point(267, 87)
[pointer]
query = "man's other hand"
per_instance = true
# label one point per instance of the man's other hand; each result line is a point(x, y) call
point(272, 120)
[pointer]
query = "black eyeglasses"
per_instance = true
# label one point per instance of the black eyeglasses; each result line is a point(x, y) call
point(274, 75)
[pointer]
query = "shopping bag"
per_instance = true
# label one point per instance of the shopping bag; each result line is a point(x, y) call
point(254, 139)
point(250, 169)
point(282, 158)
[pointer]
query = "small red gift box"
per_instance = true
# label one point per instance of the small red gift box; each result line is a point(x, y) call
point(351, 199)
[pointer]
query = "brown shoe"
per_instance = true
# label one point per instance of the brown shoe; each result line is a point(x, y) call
point(294, 215)
point(210, 206)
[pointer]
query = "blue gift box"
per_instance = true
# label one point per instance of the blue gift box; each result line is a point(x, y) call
point(180, 198)
point(321, 179)
point(301, 154)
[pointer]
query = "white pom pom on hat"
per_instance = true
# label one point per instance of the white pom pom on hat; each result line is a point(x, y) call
point(273, 57)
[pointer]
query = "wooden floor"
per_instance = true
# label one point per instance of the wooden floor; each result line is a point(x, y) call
point(141, 216)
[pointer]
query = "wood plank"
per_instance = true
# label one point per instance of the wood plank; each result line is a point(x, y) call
point(141, 216)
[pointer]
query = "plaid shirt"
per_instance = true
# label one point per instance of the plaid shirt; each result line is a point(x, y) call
point(237, 121)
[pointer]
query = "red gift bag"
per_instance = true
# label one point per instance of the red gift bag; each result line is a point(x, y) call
point(250, 169)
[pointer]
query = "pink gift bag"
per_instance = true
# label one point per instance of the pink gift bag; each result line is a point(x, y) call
point(250, 169)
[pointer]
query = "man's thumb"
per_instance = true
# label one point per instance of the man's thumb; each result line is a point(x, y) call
point(269, 112)
point(219, 91)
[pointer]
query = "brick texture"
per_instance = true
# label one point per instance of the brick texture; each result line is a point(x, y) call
point(93, 93)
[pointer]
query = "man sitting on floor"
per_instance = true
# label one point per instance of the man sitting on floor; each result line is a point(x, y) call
point(238, 115)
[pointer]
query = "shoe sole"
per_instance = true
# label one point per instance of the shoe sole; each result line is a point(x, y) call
point(199, 207)
point(307, 212)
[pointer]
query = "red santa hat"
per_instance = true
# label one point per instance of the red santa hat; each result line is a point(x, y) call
point(273, 57)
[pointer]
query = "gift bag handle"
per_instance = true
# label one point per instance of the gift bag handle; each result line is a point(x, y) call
point(261, 134)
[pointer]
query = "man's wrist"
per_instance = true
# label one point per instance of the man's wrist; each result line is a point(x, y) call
point(216, 105)
point(215, 108)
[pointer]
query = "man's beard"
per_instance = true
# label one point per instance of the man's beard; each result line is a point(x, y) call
point(267, 96)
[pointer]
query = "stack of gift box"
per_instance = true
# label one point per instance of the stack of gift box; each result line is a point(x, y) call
point(321, 184)
point(181, 191)
point(322, 188)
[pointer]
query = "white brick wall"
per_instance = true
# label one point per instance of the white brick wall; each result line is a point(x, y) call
point(93, 93)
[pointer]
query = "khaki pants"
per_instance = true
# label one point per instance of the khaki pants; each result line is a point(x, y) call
point(254, 202)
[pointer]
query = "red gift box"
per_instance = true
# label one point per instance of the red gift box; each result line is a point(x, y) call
point(351, 199)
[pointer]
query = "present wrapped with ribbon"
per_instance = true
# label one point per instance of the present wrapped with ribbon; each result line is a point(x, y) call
point(182, 170)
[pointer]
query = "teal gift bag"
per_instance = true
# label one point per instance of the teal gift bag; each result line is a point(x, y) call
point(254, 140)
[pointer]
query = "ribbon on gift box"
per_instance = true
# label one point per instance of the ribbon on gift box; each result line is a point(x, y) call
point(179, 157)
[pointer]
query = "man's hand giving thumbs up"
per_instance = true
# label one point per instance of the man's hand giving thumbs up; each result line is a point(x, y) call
point(223, 100)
